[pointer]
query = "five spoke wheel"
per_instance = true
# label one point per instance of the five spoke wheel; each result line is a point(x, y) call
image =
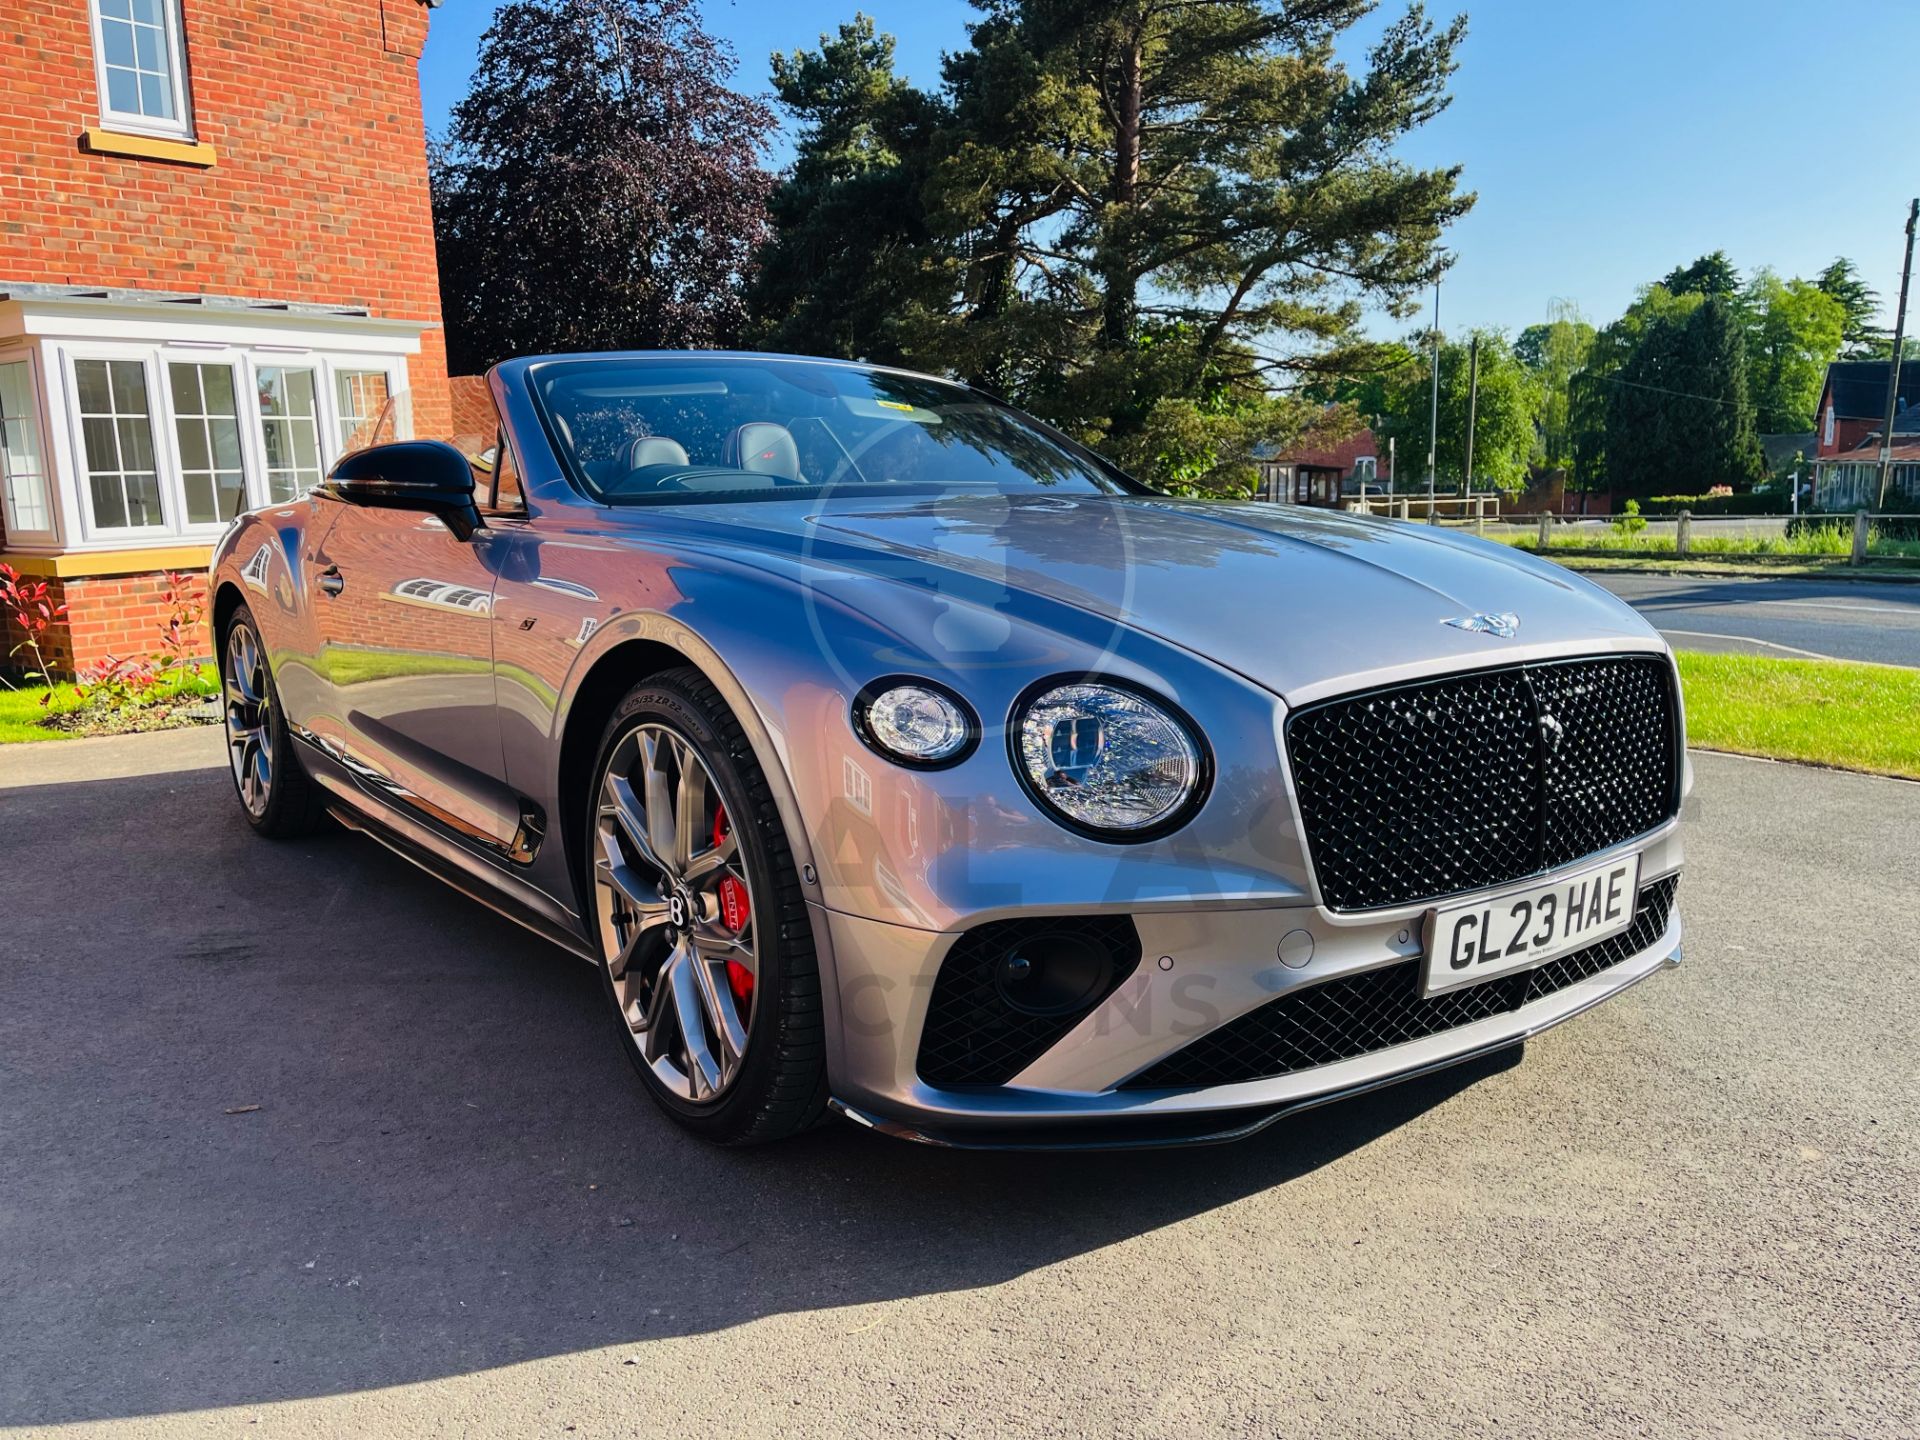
point(249, 704)
point(675, 913)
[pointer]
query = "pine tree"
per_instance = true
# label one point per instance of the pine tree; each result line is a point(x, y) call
point(1679, 415)
point(1860, 338)
point(1139, 218)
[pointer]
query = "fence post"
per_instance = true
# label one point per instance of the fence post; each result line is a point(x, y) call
point(1860, 534)
point(1546, 531)
point(1480, 516)
point(1683, 534)
point(1404, 507)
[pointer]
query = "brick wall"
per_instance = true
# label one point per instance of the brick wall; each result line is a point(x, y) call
point(320, 190)
point(117, 615)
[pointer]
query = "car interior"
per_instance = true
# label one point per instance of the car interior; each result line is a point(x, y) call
point(650, 430)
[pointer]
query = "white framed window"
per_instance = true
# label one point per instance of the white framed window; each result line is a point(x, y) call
point(289, 399)
point(206, 429)
point(176, 437)
point(140, 60)
point(114, 405)
point(23, 453)
point(362, 405)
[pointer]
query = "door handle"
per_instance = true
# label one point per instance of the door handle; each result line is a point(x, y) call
point(330, 580)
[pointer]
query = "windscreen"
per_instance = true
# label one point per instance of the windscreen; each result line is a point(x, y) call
point(679, 429)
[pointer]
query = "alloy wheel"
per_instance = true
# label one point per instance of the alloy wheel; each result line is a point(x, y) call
point(676, 913)
point(249, 704)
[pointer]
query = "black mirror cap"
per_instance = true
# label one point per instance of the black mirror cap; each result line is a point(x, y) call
point(426, 475)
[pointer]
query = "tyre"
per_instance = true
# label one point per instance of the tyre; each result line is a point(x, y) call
point(708, 959)
point(276, 794)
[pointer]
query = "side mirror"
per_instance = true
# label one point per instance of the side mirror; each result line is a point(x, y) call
point(426, 475)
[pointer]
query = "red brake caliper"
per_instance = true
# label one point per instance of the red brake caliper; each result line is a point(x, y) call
point(735, 911)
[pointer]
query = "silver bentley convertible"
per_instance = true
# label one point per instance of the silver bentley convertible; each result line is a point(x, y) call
point(888, 752)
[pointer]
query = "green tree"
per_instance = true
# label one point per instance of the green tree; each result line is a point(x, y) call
point(1555, 353)
point(1794, 331)
point(852, 268)
point(1860, 338)
point(1591, 388)
point(1710, 275)
point(1142, 218)
point(1679, 414)
point(601, 186)
point(1503, 432)
point(1369, 389)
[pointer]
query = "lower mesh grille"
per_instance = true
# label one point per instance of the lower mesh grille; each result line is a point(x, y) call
point(972, 1035)
point(1359, 1014)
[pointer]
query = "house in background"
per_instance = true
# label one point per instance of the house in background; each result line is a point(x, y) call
point(1853, 402)
point(1310, 475)
point(1850, 479)
point(217, 274)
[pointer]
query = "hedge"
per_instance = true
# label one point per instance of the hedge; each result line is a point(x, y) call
point(1716, 504)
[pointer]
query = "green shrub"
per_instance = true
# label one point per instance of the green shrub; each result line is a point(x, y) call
point(1629, 521)
point(1717, 504)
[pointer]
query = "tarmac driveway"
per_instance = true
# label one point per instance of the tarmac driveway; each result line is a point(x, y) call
point(291, 1134)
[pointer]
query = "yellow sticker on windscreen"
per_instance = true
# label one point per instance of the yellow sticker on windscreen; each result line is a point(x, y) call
point(874, 408)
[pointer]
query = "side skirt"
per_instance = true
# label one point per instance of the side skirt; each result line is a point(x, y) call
point(503, 893)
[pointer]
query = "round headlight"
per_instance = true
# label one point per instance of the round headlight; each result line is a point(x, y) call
point(915, 724)
point(1106, 758)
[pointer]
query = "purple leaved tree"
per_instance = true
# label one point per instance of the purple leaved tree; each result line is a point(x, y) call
point(600, 186)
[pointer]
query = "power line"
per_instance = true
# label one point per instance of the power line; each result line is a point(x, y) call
point(1656, 389)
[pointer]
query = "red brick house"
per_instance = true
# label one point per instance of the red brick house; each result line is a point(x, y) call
point(1311, 474)
point(1853, 402)
point(216, 274)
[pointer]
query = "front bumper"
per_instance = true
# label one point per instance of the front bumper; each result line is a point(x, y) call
point(1196, 975)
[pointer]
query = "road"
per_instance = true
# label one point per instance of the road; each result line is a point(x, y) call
point(297, 1142)
point(1830, 619)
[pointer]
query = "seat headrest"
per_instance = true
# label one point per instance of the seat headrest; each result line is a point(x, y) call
point(655, 450)
point(763, 448)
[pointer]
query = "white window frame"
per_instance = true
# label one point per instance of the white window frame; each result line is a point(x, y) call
point(325, 426)
point(336, 373)
point(234, 362)
point(246, 360)
point(49, 480)
point(174, 27)
point(159, 422)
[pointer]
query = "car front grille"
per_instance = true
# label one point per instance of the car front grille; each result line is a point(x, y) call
point(1432, 789)
point(1360, 1014)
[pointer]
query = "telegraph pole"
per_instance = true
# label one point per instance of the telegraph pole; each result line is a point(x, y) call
point(1893, 374)
point(1473, 408)
point(1433, 422)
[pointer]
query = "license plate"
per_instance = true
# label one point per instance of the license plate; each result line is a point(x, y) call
point(1477, 940)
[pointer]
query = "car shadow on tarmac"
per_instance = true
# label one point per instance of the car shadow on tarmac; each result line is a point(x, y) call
point(291, 1120)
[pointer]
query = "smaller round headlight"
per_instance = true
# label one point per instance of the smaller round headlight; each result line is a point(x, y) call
point(915, 724)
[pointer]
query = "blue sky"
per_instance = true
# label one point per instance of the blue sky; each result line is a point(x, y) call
point(1608, 142)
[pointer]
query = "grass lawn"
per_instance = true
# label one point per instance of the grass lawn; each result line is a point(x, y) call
point(1825, 543)
point(1823, 712)
point(1750, 567)
point(20, 712)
